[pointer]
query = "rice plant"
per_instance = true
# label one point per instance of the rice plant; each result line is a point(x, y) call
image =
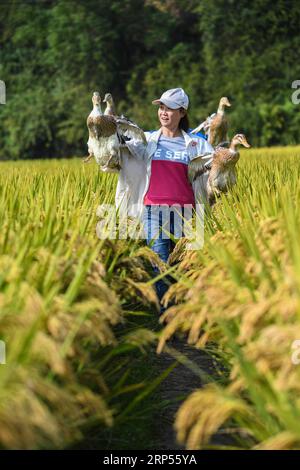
point(65, 297)
point(240, 293)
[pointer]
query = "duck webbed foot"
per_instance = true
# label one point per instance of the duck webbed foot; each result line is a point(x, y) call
point(87, 159)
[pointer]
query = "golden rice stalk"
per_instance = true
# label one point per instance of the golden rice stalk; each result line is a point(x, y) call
point(179, 317)
point(174, 293)
point(97, 288)
point(272, 352)
point(146, 292)
point(99, 268)
point(285, 440)
point(9, 268)
point(203, 413)
point(67, 403)
point(89, 318)
point(145, 253)
point(253, 315)
point(189, 260)
point(31, 425)
point(179, 252)
point(46, 350)
point(59, 325)
point(141, 337)
point(20, 308)
point(92, 405)
point(178, 291)
point(197, 325)
point(101, 309)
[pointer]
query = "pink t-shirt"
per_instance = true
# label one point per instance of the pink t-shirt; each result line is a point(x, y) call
point(169, 183)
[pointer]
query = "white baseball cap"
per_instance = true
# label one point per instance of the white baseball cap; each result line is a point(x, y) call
point(174, 98)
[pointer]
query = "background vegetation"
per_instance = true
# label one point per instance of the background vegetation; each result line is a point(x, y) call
point(54, 53)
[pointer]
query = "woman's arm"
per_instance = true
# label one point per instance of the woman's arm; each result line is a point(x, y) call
point(137, 148)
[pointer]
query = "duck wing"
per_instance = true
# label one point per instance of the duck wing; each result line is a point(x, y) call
point(197, 167)
point(218, 130)
point(224, 128)
point(224, 144)
point(127, 128)
point(101, 126)
point(221, 152)
point(224, 158)
point(204, 125)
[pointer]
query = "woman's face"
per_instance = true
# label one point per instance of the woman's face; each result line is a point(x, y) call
point(168, 117)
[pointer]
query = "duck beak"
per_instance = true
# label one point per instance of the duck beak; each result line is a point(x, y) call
point(245, 144)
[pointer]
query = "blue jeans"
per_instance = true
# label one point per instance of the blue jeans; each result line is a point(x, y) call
point(158, 240)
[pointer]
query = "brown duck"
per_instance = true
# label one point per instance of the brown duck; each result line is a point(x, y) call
point(216, 125)
point(110, 105)
point(222, 175)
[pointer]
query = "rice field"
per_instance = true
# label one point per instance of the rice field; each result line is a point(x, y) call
point(73, 308)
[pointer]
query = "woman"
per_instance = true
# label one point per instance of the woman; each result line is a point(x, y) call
point(154, 178)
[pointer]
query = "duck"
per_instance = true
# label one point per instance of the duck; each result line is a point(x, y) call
point(110, 110)
point(110, 105)
point(220, 172)
point(216, 125)
point(222, 175)
point(107, 134)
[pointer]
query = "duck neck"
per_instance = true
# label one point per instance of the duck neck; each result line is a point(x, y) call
point(97, 109)
point(221, 109)
point(233, 146)
point(110, 107)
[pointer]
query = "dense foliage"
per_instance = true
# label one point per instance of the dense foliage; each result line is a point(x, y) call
point(54, 53)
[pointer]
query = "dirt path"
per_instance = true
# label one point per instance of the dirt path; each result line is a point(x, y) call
point(151, 425)
point(186, 377)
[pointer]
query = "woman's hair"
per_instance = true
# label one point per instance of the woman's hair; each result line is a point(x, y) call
point(184, 122)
